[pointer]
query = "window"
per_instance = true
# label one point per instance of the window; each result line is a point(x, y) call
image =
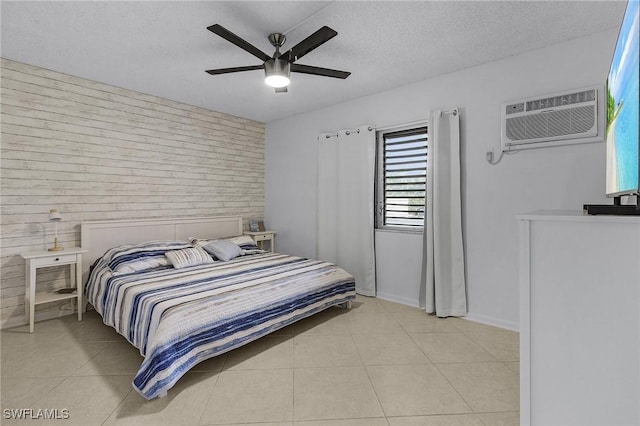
point(401, 178)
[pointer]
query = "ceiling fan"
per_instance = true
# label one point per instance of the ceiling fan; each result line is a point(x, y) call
point(278, 67)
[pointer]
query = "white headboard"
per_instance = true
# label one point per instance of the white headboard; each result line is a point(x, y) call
point(99, 236)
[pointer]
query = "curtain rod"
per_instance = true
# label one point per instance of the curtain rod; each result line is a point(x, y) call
point(417, 122)
point(346, 132)
point(421, 121)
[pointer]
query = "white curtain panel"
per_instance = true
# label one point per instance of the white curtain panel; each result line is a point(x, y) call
point(443, 289)
point(346, 172)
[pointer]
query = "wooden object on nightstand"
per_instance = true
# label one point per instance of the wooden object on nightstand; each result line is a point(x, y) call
point(261, 236)
point(44, 259)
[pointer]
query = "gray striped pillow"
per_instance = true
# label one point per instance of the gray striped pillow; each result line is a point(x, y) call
point(188, 257)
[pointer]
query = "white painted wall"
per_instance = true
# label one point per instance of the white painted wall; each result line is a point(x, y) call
point(550, 178)
point(398, 266)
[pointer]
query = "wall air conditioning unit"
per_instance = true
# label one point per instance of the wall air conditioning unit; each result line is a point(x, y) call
point(571, 117)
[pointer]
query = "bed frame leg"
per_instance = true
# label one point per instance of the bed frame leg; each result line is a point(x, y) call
point(346, 305)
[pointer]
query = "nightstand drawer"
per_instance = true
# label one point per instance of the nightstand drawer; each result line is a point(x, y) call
point(62, 259)
point(262, 237)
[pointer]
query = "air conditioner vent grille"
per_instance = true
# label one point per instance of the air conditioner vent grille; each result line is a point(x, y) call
point(574, 121)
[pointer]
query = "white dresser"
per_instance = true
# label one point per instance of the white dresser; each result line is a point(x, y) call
point(579, 319)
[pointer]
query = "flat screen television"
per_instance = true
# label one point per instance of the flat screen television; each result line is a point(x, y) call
point(622, 135)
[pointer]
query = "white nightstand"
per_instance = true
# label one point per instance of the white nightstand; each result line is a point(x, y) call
point(43, 259)
point(261, 236)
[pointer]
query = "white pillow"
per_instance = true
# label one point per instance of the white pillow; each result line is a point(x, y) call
point(241, 239)
point(223, 250)
point(199, 242)
point(188, 257)
point(141, 264)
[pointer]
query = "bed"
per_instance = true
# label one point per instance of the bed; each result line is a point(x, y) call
point(151, 282)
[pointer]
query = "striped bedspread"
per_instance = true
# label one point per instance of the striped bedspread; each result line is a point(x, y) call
point(180, 317)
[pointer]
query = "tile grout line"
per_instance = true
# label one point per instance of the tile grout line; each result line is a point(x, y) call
point(364, 366)
point(455, 389)
point(116, 407)
point(213, 388)
point(293, 392)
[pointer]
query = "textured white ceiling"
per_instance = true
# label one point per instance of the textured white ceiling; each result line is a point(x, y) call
point(163, 48)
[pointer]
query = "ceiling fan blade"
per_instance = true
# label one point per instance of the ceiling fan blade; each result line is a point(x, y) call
point(234, 69)
point(326, 72)
point(242, 44)
point(316, 39)
point(281, 90)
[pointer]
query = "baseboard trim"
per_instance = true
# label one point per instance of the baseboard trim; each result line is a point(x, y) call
point(496, 322)
point(368, 293)
point(479, 318)
point(397, 299)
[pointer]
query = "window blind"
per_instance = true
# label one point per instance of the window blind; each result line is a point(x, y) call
point(402, 178)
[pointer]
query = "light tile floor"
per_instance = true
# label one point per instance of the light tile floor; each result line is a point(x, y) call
point(380, 363)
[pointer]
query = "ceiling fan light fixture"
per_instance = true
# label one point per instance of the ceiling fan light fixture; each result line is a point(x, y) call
point(276, 72)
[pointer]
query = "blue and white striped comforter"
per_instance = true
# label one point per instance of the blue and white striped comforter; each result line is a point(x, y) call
point(180, 317)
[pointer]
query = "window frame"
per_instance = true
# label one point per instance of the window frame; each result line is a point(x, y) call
point(379, 203)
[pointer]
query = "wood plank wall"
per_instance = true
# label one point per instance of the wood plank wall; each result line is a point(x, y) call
point(95, 151)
